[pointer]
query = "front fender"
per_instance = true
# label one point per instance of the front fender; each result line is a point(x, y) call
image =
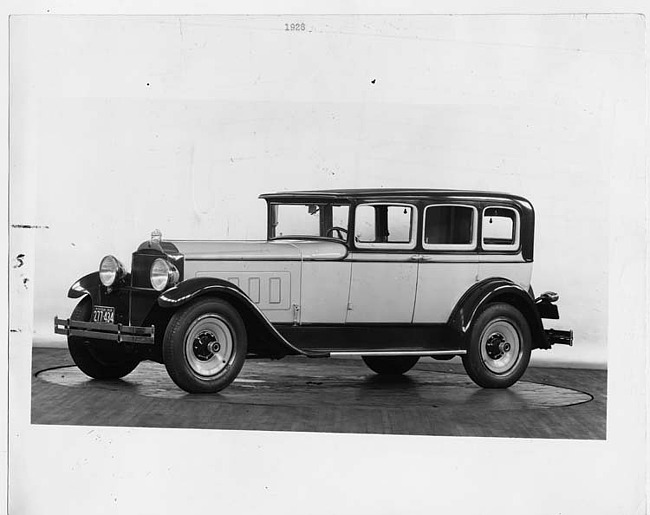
point(268, 341)
point(87, 285)
point(497, 290)
point(190, 289)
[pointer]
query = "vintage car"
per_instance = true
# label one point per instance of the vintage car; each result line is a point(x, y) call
point(391, 275)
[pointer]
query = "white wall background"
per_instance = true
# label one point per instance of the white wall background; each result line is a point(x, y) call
point(122, 125)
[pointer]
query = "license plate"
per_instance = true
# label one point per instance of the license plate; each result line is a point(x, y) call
point(103, 314)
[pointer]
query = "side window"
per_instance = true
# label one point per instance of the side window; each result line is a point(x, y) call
point(295, 220)
point(399, 224)
point(340, 216)
point(500, 228)
point(448, 227)
point(365, 226)
point(385, 226)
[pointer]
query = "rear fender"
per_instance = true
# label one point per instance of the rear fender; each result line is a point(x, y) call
point(496, 290)
point(264, 339)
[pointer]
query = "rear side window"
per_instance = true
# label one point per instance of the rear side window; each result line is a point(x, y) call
point(449, 227)
point(385, 225)
point(500, 228)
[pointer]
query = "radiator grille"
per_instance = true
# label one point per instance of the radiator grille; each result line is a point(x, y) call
point(140, 266)
point(142, 260)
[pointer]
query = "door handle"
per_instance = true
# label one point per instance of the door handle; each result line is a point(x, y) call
point(415, 257)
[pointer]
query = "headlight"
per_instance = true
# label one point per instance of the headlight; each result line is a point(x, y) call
point(163, 274)
point(110, 270)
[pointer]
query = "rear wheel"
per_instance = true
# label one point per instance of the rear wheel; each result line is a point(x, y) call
point(390, 365)
point(499, 347)
point(99, 359)
point(205, 346)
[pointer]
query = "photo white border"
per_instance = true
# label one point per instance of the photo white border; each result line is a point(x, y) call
point(134, 470)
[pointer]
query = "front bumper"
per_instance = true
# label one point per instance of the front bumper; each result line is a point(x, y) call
point(97, 331)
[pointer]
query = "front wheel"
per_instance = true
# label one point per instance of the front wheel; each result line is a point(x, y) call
point(499, 347)
point(390, 365)
point(205, 346)
point(98, 359)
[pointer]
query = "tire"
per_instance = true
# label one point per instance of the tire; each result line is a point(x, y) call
point(205, 346)
point(390, 365)
point(499, 347)
point(98, 359)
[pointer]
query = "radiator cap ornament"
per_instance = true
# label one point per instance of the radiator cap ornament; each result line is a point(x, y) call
point(156, 236)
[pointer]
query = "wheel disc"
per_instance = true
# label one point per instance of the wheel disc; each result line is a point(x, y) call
point(209, 345)
point(500, 345)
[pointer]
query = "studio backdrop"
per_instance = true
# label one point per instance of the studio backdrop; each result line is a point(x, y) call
point(123, 125)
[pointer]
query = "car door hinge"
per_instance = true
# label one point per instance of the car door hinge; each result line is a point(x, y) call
point(349, 306)
point(296, 313)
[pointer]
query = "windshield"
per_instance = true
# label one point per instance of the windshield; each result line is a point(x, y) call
point(308, 221)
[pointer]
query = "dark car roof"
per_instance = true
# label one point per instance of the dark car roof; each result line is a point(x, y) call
point(416, 195)
point(402, 193)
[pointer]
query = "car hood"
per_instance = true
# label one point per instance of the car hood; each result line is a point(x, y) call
point(293, 250)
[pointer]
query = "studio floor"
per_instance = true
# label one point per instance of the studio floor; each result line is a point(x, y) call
point(328, 395)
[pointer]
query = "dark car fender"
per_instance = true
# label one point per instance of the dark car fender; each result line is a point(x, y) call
point(264, 339)
point(496, 290)
point(87, 285)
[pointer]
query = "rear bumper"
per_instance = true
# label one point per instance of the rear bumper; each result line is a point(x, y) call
point(113, 332)
point(555, 336)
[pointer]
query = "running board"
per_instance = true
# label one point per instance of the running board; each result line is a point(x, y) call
point(458, 352)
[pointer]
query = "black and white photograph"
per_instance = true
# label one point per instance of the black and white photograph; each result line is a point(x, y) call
point(251, 254)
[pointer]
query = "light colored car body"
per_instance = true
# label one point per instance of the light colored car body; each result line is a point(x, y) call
point(330, 285)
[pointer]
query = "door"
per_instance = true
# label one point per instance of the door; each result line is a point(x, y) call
point(449, 262)
point(384, 265)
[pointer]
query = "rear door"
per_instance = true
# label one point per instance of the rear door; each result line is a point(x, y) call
point(449, 260)
point(384, 264)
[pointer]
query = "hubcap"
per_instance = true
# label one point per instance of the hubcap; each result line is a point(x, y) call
point(500, 346)
point(205, 345)
point(209, 345)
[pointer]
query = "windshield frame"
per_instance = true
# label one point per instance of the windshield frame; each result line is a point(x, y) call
point(323, 206)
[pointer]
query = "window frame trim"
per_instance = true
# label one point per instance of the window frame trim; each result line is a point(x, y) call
point(410, 245)
point(510, 247)
point(467, 247)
